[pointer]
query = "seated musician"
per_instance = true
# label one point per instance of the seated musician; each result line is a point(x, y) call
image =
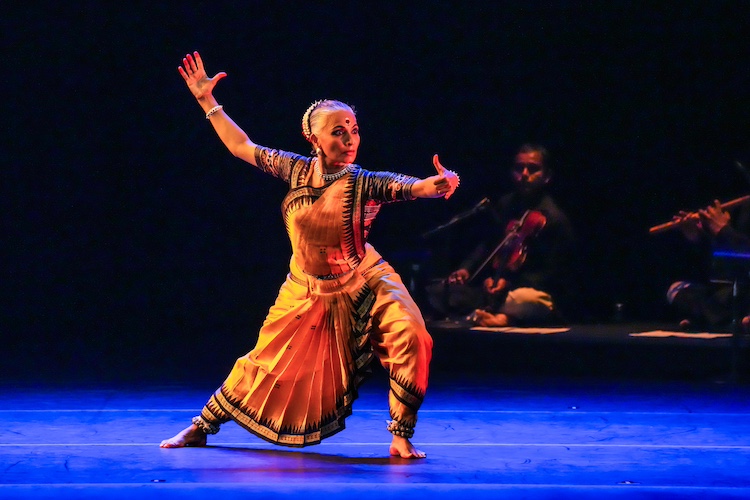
point(703, 299)
point(520, 274)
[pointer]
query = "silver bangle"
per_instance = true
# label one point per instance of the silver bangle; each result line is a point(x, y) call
point(213, 110)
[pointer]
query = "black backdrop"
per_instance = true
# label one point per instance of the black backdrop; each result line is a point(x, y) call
point(133, 239)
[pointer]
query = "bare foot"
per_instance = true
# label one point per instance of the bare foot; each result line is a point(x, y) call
point(190, 436)
point(483, 318)
point(402, 447)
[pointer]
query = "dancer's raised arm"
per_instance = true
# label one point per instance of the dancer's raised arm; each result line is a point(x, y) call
point(233, 137)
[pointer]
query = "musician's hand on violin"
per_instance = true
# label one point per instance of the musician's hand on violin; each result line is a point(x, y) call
point(459, 276)
point(714, 218)
point(493, 287)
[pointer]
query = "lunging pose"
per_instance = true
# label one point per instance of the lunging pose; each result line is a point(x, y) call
point(341, 305)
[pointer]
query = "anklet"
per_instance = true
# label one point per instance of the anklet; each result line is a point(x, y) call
point(205, 426)
point(398, 429)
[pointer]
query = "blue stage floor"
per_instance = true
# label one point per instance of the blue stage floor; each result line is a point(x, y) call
point(486, 436)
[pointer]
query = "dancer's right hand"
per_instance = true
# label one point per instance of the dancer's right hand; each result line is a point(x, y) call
point(194, 74)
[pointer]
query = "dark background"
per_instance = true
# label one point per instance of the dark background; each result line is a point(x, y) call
point(132, 239)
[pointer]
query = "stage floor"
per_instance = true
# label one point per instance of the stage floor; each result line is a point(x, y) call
point(589, 412)
point(486, 436)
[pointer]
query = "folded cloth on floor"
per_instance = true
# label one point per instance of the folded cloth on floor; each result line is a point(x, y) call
point(514, 329)
point(685, 335)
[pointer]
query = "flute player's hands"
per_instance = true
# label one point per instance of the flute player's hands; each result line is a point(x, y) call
point(689, 224)
point(714, 218)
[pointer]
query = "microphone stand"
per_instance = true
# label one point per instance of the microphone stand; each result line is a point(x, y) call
point(445, 294)
point(459, 217)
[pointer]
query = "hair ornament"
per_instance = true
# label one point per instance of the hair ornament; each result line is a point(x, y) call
point(306, 131)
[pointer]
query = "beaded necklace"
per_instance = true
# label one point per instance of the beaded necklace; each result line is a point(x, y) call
point(336, 175)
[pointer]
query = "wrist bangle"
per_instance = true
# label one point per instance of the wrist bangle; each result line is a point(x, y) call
point(213, 110)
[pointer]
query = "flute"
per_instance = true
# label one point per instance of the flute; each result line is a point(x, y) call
point(725, 206)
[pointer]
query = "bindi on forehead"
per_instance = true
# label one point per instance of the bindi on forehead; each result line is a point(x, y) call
point(341, 119)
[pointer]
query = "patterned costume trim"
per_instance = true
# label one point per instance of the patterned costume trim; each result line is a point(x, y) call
point(223, 406)
point(406, 393)
point(366, 192)
point(311, 434)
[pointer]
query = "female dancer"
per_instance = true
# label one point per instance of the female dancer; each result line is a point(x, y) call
point(341, 304)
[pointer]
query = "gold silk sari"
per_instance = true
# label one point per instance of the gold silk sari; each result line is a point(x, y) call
point(340, 306)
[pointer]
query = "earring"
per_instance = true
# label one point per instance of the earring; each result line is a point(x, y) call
point(318, 151)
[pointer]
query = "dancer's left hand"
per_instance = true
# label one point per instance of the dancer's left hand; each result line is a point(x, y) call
point(446, 181)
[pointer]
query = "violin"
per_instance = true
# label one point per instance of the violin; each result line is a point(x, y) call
point(511, 253)
point(448, 295)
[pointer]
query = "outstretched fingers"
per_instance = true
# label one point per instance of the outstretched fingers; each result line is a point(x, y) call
point(183, 74)
point(198, 61)
point(194, 74)
point(188, 68)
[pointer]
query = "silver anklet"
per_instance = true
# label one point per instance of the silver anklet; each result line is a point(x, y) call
point(398, 429)
point(205, 426)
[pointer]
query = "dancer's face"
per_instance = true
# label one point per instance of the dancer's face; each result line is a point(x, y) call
point(339, 138)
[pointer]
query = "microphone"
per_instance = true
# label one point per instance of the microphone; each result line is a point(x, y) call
point(483, 203)
point(743, 170)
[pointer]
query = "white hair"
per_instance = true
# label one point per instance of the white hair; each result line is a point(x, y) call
point(316, 113)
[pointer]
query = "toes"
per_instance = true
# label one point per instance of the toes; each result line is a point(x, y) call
point(407, 453)
point(169, 443)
